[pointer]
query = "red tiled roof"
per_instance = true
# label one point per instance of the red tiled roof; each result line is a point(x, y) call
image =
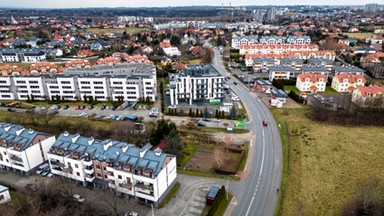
point(312, 77)
point(352, 78)
point(371, 89)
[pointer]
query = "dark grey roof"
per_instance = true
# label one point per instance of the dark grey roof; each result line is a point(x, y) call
point(281, 68)
point(348, 69)
point(201, 70)
point(279, 93)
point(311, 68)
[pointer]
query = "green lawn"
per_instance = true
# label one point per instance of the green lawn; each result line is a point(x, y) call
point(194, 61)
point(223, 205)
point(170, 195)
point(324, 165)
point(292, 88)
point(244, 159)
point(329, 90)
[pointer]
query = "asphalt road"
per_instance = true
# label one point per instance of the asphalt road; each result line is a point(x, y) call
point(260, 194)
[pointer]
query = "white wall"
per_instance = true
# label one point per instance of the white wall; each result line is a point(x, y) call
point(7, 197)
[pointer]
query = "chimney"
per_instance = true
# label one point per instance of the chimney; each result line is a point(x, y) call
point(65, 133)
point(142, 153)
point(91, 140)
point(75, 137)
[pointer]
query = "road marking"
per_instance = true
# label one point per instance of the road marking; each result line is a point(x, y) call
point(260, 173)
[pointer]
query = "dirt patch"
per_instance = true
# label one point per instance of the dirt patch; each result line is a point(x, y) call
point(202, 160)
point(236, 139)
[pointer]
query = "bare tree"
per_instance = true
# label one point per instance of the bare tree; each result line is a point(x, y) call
point(219, 156)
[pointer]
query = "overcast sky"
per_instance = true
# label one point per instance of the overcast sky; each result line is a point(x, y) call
point(163, 3)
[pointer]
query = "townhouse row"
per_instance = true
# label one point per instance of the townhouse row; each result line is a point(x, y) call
point(253, 39)
point(130, 81)
point(276, 49)
point(142, 173)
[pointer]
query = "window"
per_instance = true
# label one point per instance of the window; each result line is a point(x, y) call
point(65, 82)
point(20, 82)
point(120, 177)
point(97, 166)
point(131, 87)
point(66, 87)
point(117, 83)
point(6, 96)
point(96, 83)
point(35, 87)
point(98, 87)
point(33, 82)
point(85, 82)
point(54, 87)
point(55, 92)
point(3, 81)
point(76, 166)
point(77, 173)
point(1, 197)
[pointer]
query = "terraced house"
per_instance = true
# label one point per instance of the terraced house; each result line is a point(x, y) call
point(138, 172)
point(23, 150)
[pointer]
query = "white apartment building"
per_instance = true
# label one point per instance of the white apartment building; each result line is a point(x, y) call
point(243, 40)
point(139, 172)
point(298, 40)
point(132, 81)
point(196, 82)
point(22, 55)
point(29, 87)
point(281, 72)
point(345, 82)
point(276, 49)
point(6, 92)
point(309, 82)
point(172, 51)
point(23, 150)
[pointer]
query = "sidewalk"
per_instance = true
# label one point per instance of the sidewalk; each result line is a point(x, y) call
point(231, 207)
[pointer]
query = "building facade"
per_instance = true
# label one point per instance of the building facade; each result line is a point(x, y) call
point(347, 82)
point(277, 49)
point(23, 150)
point(196, 83)
point(309, 82)
point(131, 81)
point(281, 72)
point(22, 55)
point(4, 195)
point(138, 172)
point(369, 96)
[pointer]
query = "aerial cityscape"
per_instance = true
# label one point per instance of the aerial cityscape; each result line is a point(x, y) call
point(189, 109)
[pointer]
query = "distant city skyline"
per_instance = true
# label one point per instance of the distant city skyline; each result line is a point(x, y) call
point(173, 3)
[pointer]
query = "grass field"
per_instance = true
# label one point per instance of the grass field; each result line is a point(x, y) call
point(194, 61)
point(326, 163)
point(292, 88)
point(25, 66)
point(129, 30)
point(359, 35)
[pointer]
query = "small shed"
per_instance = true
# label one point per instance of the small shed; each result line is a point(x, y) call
point(212, 195)
point(280, 95)
point(263, 85)
point(4, 195)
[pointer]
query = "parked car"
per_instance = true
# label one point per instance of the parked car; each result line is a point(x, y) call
point(102, 107)
point(55, 107)
point(265, 123)
point(83, 114)
point(216, 120)
point(131, 213)
point(30, 110)
point(114, 108)
point(78, 198)
point(11, 110)
point(206, 119)
point(65, 107)
point(42, 168)
point(90, 107)
point(235, 83)
point(201, 124)
point(49, 175)
point(45, 172)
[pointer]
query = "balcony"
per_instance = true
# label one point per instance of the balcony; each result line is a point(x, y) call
point(111, 185)
point(55, 163)
point(110, 169)
point(87, 163)
point(89, 178)
point(144, 189)
point(110, 176)
point(127, 186)
point(16, 158)
point(89, 171)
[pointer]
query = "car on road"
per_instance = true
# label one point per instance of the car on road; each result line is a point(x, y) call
point(201, 124)
point(11, 110)
point(83, 114)
point(235, 83)
point(265, 123)
point(78, 198)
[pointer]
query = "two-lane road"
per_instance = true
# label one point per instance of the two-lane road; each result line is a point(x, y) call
point(260, 193)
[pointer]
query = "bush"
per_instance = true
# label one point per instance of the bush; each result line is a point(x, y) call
point(295, 97)
point(216, 203)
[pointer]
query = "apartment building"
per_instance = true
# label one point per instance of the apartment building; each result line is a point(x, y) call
point(315, 70)
point(345, 82)
point(244, 40)
point(139, 172)
point(347, 69)
point(323, 62)
point(21, 149)
point(285, 40)
point(281, 72)
point(296, 63)
point(196, 83)
point(276, 49)
point(22, 55)
point(103, 83)
point(310, 82)
point(369, 96)
point(259, 63)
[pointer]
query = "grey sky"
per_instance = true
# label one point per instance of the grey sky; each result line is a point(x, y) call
point(164, 3)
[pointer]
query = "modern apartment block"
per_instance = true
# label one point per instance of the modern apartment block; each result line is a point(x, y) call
point(23, 150)
point(102, 83)
point(196, 83)
point(22, 55)
point(139, 172)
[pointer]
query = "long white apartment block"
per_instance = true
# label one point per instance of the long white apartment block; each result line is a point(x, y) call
point(138, 172)
point(131, 81)
point(21, 149)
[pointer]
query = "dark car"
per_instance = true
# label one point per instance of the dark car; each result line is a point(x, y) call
point(65, 107)
point(102, 107)
point(206, 119)
point(201, 124)
point(114, 107)
point(32, 110)
point(90, 107)
point(11, 110)
point(235, 83)
point(265, 123)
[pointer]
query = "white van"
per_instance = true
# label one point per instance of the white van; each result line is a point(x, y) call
point(42, 168)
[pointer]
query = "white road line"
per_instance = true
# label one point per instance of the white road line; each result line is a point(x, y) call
point(260, 173)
